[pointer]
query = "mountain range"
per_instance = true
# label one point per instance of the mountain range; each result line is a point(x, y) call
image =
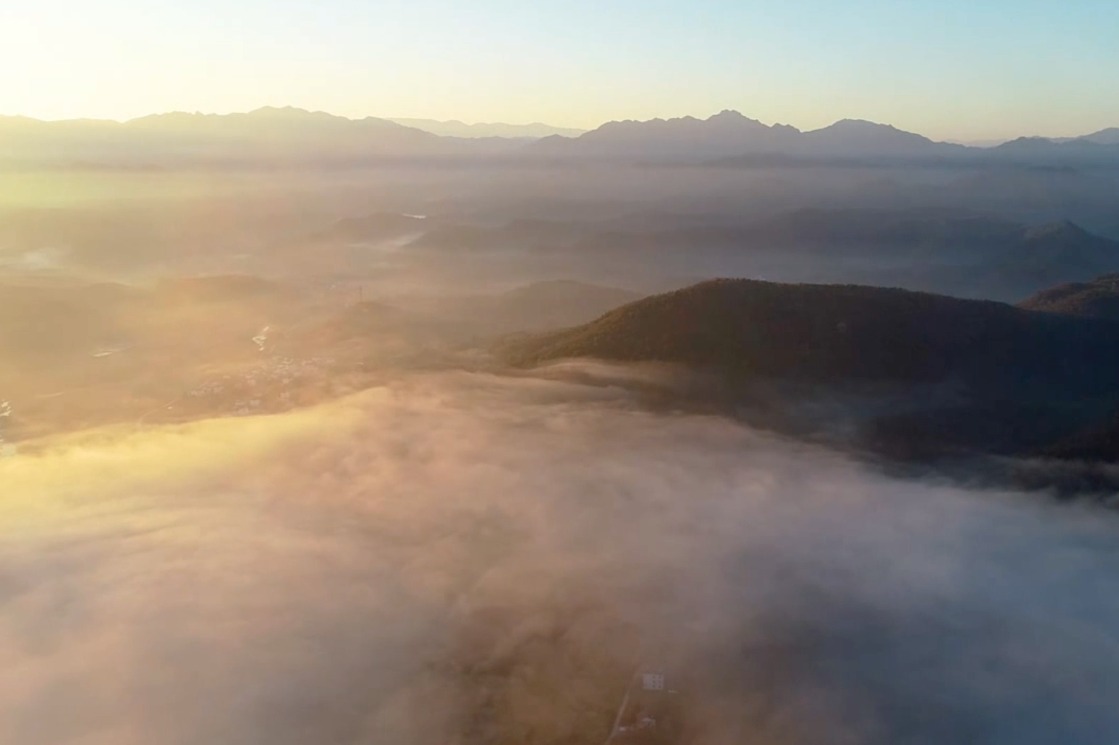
point(455, 128)
point(732, 138)
point(730, 134)
point(264, 135)
point(290, 135)
point(930, 249)
point(1109, 136)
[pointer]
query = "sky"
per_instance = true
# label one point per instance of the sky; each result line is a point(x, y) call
point(952, 69)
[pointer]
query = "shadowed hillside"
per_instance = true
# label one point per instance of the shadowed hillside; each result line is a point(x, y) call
point(1097, 443)
point(1096, 299)
point(840, 332)
point(906, 374)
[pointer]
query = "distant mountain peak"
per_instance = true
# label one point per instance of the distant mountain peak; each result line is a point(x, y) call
point(1030, 141)
point(866, 128)
point(861, 124)
point(734, 119)
point(267, 134)
point(723, 118)
point(287, 110)
point(294, 113)
point(1059, 230)
point(1109, 136)
point(730, 134)
point(729, 115)
point(459, 128)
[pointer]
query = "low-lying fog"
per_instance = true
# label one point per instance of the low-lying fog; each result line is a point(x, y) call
point(472, 559)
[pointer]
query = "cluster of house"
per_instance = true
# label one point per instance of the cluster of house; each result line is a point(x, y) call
point(635, 718)
point(282, 370)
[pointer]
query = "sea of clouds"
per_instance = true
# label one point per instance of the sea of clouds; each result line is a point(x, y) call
point(473, 559)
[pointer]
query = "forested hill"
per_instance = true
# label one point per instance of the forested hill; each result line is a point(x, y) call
point(1096, 299)
point(836, 333)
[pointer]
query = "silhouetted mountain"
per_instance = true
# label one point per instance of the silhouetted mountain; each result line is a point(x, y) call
point(981, 376)
point(269, 134)
point(730, 134)
point(931, 249)
point(730, 138)
point(841, 332)
point(941, 250)
point(1030, 191)
point(724, 134)
point(836, 228)
point(858, 138)
point(297, 137)
point(939, 227)
point(944, 250)
point(1096, 299)
point(1109, 136)
point(1060, 250)
point(1043, 151)
point(979, 143)
point(455, 128)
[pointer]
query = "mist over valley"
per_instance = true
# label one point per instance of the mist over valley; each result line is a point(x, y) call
point(549, 414)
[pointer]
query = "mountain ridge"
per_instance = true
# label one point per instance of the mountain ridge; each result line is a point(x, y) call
point(1098, 298)
point(977, 376)
point(458, 128)
point(269, 133)
point(731, 134)
point(291, 134)
point(827, 331)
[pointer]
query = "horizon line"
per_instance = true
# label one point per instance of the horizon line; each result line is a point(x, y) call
point(394, 119)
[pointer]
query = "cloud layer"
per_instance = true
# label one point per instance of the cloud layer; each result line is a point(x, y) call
point(471, 559)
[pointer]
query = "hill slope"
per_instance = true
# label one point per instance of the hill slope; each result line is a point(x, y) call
point(838, 333)
point(903, 374)
point(1063, 247)
point(1098, 298)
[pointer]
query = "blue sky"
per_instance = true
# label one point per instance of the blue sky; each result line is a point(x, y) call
point(949, 69)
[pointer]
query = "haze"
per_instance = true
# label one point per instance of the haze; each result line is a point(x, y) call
point(952, 70)
point(502, 374)
point(463, 558)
